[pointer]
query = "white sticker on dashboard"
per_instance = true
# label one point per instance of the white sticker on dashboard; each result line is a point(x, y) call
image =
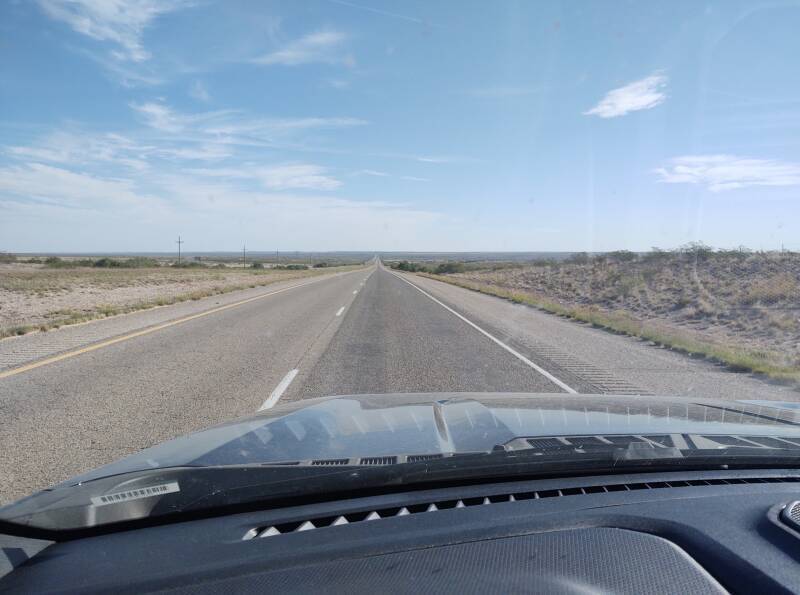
point(137, 494)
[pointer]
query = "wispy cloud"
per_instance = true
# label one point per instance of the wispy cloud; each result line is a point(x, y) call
point(55, 185)
point(285, 176)
point(121, 22)
point(436, 159)
point(727, 172)
point(199, 91)
point(73, 148)
point(324, 46)
point(233, 126)
point(383, 174)
point(643, 94)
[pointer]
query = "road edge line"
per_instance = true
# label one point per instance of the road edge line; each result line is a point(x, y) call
point(511, 350)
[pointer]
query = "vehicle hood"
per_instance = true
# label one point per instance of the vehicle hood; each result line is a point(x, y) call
point(368, 426)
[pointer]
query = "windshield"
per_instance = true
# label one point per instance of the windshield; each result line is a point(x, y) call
point(479, 224)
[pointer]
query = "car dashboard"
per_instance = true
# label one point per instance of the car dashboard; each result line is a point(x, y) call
point(699, 531)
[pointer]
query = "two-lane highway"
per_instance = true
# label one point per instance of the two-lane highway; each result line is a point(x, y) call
point(367, 331)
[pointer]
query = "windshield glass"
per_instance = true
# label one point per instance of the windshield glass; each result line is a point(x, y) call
point(569, 230)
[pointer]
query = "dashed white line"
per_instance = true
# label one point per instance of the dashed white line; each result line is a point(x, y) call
point(511, 350)
point(279, 390)
point(339, 313)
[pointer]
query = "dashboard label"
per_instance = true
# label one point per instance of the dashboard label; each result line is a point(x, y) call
point(137, 494)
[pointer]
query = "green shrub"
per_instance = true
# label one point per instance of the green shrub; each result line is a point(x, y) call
point(447, 268)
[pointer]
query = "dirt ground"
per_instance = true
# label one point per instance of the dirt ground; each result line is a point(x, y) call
point(32, 295)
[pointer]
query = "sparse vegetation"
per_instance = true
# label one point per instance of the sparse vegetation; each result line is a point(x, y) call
point(735, 306)
point(290, 267)
point(44, 296)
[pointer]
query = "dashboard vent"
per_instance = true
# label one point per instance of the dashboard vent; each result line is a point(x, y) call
point(791, 515)
point(328, 462)
point(383, 513)
point(378, 461)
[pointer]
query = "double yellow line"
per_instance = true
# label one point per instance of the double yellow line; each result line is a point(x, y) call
point(147, 331)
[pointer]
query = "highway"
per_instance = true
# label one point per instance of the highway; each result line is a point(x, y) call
point(127, 383)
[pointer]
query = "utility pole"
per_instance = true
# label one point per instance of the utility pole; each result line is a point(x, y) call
point(244, 257)
point(179, 242)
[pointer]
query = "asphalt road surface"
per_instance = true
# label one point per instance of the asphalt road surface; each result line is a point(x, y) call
point(367, 331)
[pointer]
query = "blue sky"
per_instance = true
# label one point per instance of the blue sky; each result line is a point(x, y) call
point(339, 125)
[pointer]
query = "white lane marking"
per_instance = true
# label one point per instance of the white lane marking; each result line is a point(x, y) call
point(279, 390)
point(339, 313)
point(511, 350)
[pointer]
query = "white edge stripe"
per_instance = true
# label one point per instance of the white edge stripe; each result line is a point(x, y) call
point(512, 351)
point(276, 394)
point(339, 313)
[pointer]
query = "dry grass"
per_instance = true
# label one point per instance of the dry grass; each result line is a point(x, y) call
point(740, 311)
point(33, 298)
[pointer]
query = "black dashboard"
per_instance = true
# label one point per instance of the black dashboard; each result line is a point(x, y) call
point(692, 532)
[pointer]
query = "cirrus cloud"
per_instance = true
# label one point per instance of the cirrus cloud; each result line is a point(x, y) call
point(321, 46)
point(121, 22)
point(643, 94)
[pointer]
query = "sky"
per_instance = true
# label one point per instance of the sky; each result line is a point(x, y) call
point(411, 126)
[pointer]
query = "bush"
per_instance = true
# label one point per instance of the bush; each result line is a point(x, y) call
point(697, 251)
point(320, 265)
point(291, 267)
point(256, 265)
point(5, 257)
point(622, 256)
point(578, 258)
point(447, 268)
point(107, 263)
point(54, 262)
point(411, 267)
point(137, 262)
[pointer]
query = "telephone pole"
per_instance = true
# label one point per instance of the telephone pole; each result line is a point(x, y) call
point(179, 242)
point(244, 257)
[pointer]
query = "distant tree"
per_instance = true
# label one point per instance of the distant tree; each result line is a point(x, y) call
point(578, 258)
point(697, 251)
point(622, 256)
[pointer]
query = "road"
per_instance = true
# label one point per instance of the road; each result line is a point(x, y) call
point(366, 331)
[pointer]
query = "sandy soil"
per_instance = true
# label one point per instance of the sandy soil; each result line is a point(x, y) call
point(752, 299)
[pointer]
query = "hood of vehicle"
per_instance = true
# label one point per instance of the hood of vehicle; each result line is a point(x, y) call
point(369, 426)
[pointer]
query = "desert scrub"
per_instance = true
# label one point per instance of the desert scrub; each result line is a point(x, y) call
point(40, 299)
point(741, 346)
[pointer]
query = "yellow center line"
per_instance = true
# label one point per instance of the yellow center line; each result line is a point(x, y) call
point(147, 331)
